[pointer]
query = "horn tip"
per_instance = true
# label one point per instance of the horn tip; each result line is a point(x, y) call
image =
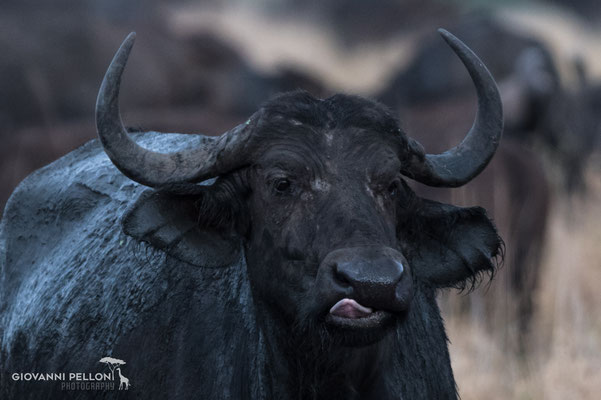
point(447, 36)
point(129, 41)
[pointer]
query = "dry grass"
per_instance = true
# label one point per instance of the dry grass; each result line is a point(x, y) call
point(564, 352)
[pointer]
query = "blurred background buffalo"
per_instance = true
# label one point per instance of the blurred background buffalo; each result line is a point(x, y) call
point(204, 66)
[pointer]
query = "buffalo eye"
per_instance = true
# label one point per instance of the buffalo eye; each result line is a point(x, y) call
point(282, 186)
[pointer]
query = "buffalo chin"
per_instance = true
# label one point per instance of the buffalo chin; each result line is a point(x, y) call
point(359, 332)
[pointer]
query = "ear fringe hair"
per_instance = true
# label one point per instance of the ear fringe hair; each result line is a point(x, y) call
point(483, 276)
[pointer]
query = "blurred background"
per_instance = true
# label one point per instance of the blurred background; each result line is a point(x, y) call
point(206, 65)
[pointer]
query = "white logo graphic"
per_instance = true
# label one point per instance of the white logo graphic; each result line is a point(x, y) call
point(115, 364)
point(81, 380)
point(123, 381)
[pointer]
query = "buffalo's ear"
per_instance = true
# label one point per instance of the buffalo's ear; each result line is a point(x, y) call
point(449, 246)
point(173, 223)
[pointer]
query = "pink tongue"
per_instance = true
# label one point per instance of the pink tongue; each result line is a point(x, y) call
point(349, 308)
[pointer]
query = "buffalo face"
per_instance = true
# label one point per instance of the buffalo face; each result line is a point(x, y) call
point(325, 195)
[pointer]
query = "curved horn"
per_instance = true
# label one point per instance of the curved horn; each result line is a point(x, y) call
point(154, 169)
point(465, 161)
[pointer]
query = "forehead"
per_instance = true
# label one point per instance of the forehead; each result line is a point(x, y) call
point(341, 125)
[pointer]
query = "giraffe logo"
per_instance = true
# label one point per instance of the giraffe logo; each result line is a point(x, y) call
point(123, 381)
point(115, 364)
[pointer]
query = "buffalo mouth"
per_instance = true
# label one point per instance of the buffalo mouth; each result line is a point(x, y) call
point(348, 314)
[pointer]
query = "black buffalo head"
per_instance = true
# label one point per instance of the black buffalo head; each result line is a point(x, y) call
point(334, 239)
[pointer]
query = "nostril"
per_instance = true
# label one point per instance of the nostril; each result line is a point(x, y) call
point(341, 278)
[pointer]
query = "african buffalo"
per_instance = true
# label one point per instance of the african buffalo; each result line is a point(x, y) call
point(285, 259)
